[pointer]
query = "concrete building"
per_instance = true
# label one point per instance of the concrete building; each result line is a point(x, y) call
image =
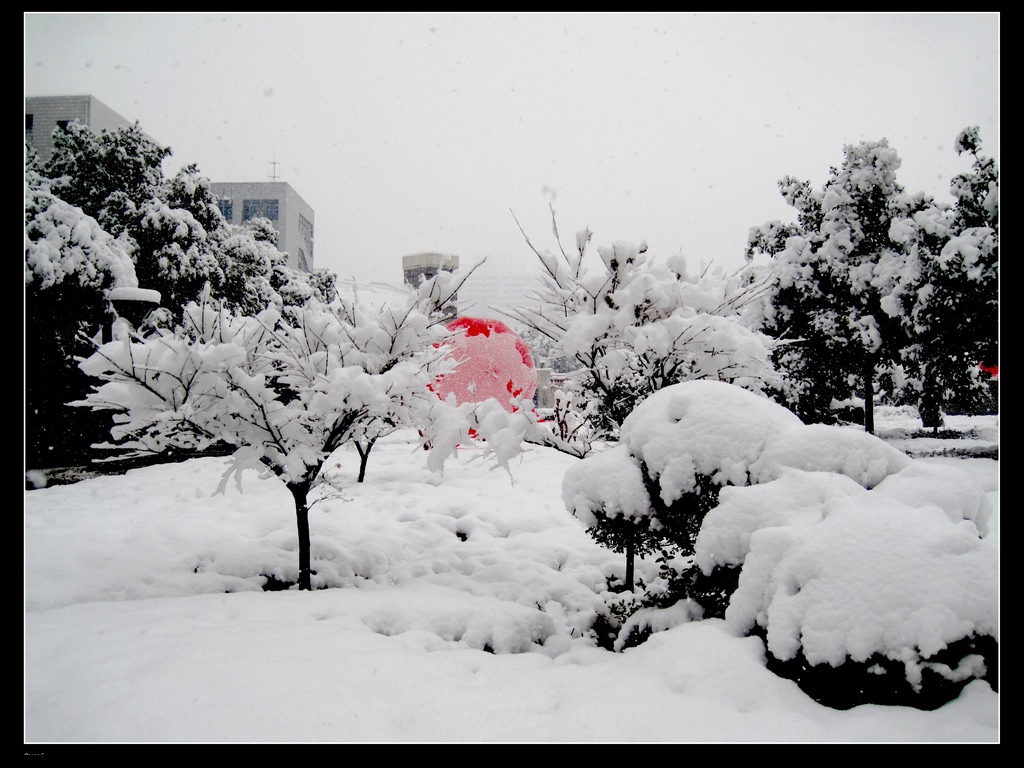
point(418, 267)
point(44, 114)
point(291, 216)
point(495, 286)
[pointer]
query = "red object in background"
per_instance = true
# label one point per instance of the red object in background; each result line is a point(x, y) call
point(992, 370)
point(493, 362)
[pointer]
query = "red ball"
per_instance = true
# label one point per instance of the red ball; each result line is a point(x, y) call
point(492, 362)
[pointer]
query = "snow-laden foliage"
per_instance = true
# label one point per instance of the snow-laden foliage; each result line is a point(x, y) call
point(101, 210)
point(847, 548)
point(833, 271)
point(292, 386)
point(63, 243)
point(109, 175)
point(173, 228)
point(634, 325)
point(71, 265)
point(949, 303)
point(873, 288)
point(288, 388)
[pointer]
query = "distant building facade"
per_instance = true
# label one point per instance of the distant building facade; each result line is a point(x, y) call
point(494, 287)
point(418, 267)
point(44, 114)
point(291, 216)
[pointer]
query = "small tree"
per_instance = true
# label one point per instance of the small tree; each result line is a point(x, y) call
point(634, 326)
point(108, 189)
point(678, 448)
point(381, 338)
point(288, 388)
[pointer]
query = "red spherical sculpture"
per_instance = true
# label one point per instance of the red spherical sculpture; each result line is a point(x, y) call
point(492, 362)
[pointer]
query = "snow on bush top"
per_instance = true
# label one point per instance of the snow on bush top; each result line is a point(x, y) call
point(848, 547)
point(702, 427)
point(872, 575)
point(62, 242)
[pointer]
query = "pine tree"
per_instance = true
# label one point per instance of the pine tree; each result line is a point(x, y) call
point(950, 297)
point(833, 272)
point(70, 264)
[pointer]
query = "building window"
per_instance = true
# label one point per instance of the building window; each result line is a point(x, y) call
point(63, 124)
point(29, 120)
point(227, 208)
point(306, 229)
point(253, 208)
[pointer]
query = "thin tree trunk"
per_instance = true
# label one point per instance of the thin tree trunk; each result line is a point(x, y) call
point(629, 565)
point(364, 457)
point(929, 407)
point(869, 397)
point(299, 492)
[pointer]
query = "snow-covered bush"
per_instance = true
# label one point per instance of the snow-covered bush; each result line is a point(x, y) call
point(288, 388)
point(634, 325)
point(870, 576)
point(71, 264)
point(876, 289)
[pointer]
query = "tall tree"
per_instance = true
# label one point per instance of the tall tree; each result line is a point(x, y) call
point(833, 273)
point(70, 264)
point(977, 212)
point(949, 300)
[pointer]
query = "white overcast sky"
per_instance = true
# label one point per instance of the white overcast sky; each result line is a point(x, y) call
point(411, 132)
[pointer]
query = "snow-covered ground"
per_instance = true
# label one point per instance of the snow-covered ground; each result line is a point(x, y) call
point(456, 611)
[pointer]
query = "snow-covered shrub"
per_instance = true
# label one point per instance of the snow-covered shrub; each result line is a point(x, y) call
point(633, 325)
point(71, 263)
point(289, 387)
point(877, 288)
point(871, 577)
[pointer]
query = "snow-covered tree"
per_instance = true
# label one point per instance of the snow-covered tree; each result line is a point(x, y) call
point(169, 233)
point(806, 536)
point(290, 387)
point(634, 326)
point(109, 175)
point(834, 272)
point(173, 228)
point(71, 264)
point(949, 302)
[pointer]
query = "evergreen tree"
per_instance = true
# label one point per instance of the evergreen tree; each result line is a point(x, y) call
point(977, 220)
point(950, 299)
point(109, 175)
point(833, 272)
point(70, 264)
point(176, 243)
